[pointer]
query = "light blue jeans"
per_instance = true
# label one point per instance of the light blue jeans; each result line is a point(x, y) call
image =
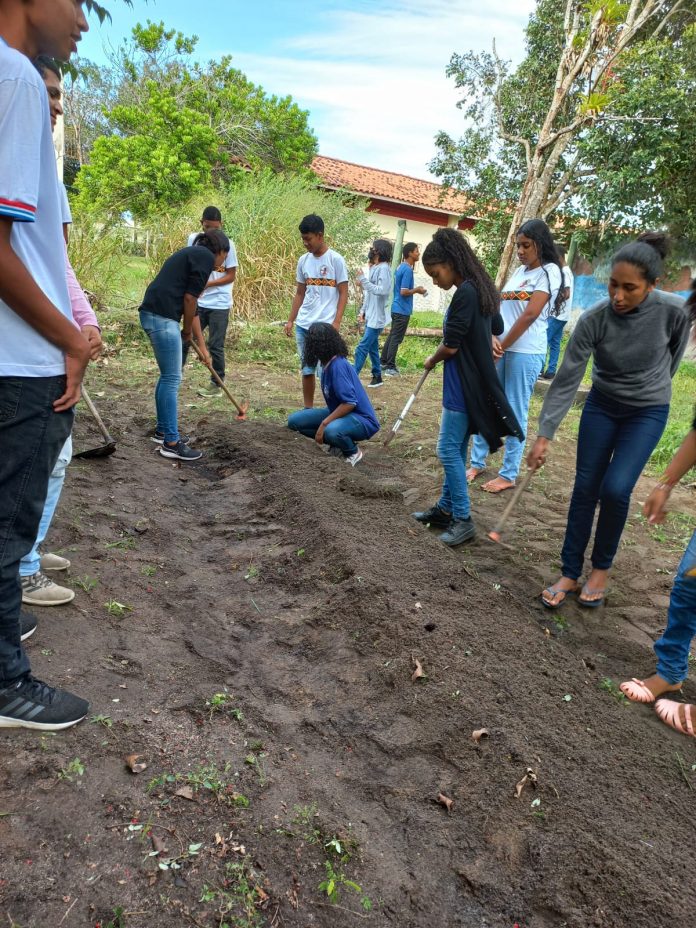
point(451, 449)
point(31, 562)
point(341, 433)
point(300, 337)
point(368, 345)
point(165, 336)
point(554, 333)
point(517, 373)
point(672, 649)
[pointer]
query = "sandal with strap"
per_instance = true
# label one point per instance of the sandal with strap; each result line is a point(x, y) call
point(637, 691)
point(591, 603)
point(554, 593)
point(668, 712)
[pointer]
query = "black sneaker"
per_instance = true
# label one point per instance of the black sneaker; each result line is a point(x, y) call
point(434, 516)
point(549, 375)
point(376, 381)
point(459, 531)
point(180, 451)
point(29, 624)
point(158, 438)
point(29, 703)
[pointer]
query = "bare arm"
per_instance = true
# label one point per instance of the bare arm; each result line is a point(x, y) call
point(342, 303)
point(406, 292)
point(685, 458)
point(190, 307)
point(297, 301)
point(443, 353)
point(339, 412)
point(228, 277)
point(24, 296)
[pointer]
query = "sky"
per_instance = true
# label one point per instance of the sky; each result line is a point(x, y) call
point(371, 75)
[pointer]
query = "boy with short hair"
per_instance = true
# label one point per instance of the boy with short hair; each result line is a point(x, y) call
point(321, 294)
point(42, 354)
point(215, 303)
point(402, 307)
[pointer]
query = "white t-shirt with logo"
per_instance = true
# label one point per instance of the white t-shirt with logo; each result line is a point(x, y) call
point(217, 297)
point(569, 283)
point(321, 276)
point(515, 298)
point(30, 195)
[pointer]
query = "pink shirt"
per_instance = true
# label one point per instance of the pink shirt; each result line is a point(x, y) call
point(82, 312)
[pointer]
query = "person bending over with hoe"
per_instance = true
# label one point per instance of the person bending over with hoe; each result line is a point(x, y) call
point(473, 399)
point(672, 649)
point(171, 296)
point(636, 339)
point(348, 416)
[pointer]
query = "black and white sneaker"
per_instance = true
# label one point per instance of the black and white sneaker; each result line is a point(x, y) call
point(29, 624)
point(434, 516)
point(29, 703)
point(376, 382)
point(158, 438)
point(391, 372)
point(180, 451)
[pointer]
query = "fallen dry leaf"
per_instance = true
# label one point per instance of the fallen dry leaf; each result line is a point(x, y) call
point(185, 792)
point(529, 779)
point(445, 801)
point(136, 763)
point(158, 843)
point(418, 672)
point(263, 896)
point(480, 733)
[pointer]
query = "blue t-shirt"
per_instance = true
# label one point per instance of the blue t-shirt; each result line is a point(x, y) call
point(340, 384)
point(403, 280)
point(452, 389)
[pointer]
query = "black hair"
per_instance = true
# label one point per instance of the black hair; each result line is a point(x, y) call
point(561, 249)
point(312, 224)
point(214, 240)
point(408, 249)
point(648, 254)
point(540, 234)
point(44, 63)
point(322, 343)
point(450, 247)
point(691, 303)
point(382, 249)
point(212, 214)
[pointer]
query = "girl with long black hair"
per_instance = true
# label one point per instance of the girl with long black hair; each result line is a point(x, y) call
point(171, 296)
point(473, 400)
point(532, 293)
point(636, 338)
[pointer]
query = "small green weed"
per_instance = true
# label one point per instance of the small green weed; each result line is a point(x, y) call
point(612, 688)
point(148, 570)
point(113, 607)
point(336, 880)
point(239, 897)
point(85, 583)
point(220, 703)
point(124, 544)
point(117, 920)
point(74, 769)
point(104, 720)
point(252, 573)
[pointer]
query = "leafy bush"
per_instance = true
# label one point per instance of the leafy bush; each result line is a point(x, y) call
point(261, 215)
point(98, 255)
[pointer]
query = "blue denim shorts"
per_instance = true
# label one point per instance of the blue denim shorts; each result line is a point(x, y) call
point(300, 336)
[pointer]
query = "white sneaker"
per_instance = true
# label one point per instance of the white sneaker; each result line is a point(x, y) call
point(38, 590)
point(51, 561)
point(353, 459)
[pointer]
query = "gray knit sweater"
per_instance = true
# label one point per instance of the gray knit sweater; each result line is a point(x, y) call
point(634, 357)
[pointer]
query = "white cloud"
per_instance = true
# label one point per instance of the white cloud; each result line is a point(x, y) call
point(374, 78)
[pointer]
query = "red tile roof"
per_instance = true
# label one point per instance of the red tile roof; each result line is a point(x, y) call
point(386, 185)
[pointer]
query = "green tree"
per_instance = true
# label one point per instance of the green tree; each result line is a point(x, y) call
point(538, 138)
point(173, 126)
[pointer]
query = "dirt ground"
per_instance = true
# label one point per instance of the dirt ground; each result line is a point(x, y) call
point(250, 626)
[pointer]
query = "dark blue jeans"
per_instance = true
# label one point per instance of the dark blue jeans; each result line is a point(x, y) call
point(614, 444)
point(31, 437)
point(341, 433)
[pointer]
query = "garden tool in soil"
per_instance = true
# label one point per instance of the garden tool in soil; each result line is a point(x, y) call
point(404, 412)
point(110, 445)
point(241, 410)
point(497, 532)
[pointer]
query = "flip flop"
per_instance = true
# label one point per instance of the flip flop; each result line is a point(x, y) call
point(550, 589)
point(591, 603)
point(637, 691)
point(498, 489)
point(668, 712)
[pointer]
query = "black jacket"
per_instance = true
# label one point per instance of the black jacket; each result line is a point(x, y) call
point(469, 331)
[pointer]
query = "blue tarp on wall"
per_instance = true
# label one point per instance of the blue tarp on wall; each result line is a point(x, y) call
point(589, 290)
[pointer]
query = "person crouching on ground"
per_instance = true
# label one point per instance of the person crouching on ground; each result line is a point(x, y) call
point(348, 416)
point(473, 399)
point(377, 289)
point(173, 294)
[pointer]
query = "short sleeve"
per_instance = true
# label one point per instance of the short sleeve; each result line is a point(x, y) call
point(21, 125)
point(65, 214)
point(550, 284)
point(344, 386)
point(200, 268)
point(192, 238)
point(341, 270)
point(231, 259)
point(407, 280)
point(300, 275)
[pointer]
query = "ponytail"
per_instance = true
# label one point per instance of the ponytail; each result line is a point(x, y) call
point(214, 240)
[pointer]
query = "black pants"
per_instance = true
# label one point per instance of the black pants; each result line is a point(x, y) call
point(216, 322)
point(31, 436)
point(399, 324)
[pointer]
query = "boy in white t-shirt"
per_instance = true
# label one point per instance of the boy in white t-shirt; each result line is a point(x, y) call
point(215, 303)
point(556, 324)
point(42, 354)
point(321, 295)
